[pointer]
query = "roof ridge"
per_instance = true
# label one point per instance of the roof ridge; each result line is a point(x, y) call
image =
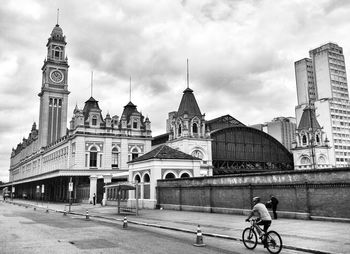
point(161, 148)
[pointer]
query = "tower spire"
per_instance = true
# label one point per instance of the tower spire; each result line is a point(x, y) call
point(130, 90)
point(188, 76)
point(58, 15)
point(92, 82)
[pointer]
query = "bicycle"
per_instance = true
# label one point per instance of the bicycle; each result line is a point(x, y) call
point(273, 241)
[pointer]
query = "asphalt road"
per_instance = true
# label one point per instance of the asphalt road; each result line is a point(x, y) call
point(24, 230)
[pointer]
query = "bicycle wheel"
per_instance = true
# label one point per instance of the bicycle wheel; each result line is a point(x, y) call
point(274, 242)
point(249, 238)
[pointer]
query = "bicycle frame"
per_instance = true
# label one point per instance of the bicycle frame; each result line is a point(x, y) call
point(256, 227)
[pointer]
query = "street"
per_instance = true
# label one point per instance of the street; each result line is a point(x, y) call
point(25, 230)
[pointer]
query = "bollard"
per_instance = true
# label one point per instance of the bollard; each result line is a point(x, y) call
point(34, 208)
point(125, 223)
point(87, 215)
point(47, 210)
point(199, 238)
point(64, 212)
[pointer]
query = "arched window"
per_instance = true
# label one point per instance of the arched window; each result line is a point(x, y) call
point(134, 153)
point(179, 130)
point(137, 179)
point(169, 176)
point(93, 157)
point(304, 140)
point(305, 160)
point(146, 187)
point(195, 128)
point(146, 178)
point(322, 160)
point(184, 175)
point(115, 157)
point(317, 139)
point(57, 53)
point(94, 120)
point(197, 154)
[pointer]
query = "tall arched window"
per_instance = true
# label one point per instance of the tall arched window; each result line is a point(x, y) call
point(57, 53)
point(94, 120)
point(146, 178)
point(146, 186)
point(304, 140)
point(179, 130)
point(137, 179)
point(115, 157)
point(195, 128)
point(134, 153)
point(93, 157)
point(317, 139)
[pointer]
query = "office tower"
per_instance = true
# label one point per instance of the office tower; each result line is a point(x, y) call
point(324, 74)
point(282, 129)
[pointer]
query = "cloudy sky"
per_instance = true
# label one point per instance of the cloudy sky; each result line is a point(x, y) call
point(241, 56)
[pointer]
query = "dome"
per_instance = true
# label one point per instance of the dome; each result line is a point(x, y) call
point(57, 32)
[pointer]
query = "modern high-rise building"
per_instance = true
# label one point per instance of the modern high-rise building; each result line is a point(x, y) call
point(321, 82)
point(281, 128)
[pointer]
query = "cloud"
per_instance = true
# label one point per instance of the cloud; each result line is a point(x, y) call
point(241, 56)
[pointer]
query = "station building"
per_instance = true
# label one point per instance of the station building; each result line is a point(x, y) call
point(96, 150)
point(93, 151)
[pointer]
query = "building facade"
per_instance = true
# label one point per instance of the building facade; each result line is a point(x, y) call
point(321, 81)
point(311, 147)
point(188, 133)
point(93, 151)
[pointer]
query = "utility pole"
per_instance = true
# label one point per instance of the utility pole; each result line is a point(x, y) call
point(312, 140)
point(312, 133)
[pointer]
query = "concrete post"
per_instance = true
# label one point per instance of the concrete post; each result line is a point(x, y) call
point(93, 187)
point(180, 198)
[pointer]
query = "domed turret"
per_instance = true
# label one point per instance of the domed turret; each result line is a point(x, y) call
point(57, 31)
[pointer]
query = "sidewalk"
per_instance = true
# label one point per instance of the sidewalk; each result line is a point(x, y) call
point(307, 235)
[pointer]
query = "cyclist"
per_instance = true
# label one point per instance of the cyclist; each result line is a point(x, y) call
point(263, 215)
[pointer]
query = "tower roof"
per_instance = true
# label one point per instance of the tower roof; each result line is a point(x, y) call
point(90, 104)
point(308, 119)
point(57, 35)
point(129, 109)
point(189, 104)
point(165, 152)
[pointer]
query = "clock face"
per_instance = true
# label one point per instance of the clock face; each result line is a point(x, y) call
point(56, 76)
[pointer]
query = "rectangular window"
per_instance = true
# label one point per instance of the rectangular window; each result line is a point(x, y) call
point(93, 159)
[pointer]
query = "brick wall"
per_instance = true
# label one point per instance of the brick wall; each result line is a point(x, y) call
point(301, 194)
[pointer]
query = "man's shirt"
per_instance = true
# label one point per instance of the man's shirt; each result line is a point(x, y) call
point(262, 211)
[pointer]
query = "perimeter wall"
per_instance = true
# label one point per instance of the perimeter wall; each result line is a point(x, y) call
point(304, 194)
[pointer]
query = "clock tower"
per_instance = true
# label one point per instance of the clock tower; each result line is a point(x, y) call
point(54, 90)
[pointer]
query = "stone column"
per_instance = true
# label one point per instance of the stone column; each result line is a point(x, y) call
point(106, 179)
point(93, 187)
